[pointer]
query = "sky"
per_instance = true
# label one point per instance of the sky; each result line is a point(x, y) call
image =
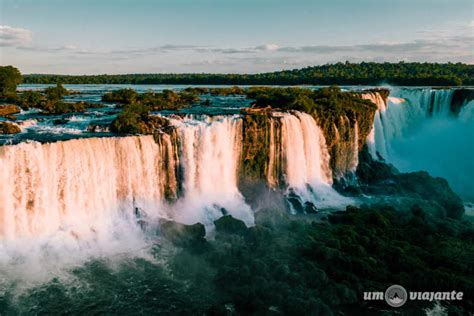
point(228, 36)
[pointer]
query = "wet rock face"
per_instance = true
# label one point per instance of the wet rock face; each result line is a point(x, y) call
point(182, 235)
point(230, 225)
point(9, 128)
point(7, 110)
point(460, 98)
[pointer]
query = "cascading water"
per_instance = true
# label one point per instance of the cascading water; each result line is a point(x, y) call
point(86, 196)
point(273, 155)
point(76, 186)
point(306, 160)
point(210, 157)
point(416, 130)
point(65, 202)
point(376, 142)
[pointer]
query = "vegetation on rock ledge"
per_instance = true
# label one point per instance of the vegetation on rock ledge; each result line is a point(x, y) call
point(136, 119)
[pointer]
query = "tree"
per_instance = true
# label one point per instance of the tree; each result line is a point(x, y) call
point(10, 77)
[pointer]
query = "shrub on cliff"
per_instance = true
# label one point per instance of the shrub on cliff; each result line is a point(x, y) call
point(55, 93)
point(235, 90)
point(328, 102)
point(31, 99)
point(136, 119)
point(123, 96)
point(131, 120)
point(60, 107)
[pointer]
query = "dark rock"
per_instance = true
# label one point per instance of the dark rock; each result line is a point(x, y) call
point(230, 225)
point(310, 208)
point(60, 121)
point(295, 203)
point(460, 98)
point(9, 128)
point(182, 235)
point(371, 171)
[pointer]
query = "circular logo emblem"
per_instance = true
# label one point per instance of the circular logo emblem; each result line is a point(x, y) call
point(396, 295)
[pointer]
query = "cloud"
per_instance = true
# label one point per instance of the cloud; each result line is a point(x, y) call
point(450, 42)
point(14, 36)
point(267, 47)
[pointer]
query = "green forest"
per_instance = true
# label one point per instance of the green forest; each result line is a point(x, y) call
point(402, 73)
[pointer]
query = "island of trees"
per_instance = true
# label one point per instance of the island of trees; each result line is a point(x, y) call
point(365, 73)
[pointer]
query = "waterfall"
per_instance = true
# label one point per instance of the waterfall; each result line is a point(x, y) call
point(417, 130)
point(80, 185)
point(355, 148)
point(63, 203)
point(376, 142)
point(274, 154)
point(210, 157)
point(306, 160)
point(76, 186)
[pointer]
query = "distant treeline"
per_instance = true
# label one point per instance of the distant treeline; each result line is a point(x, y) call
point(402, 73)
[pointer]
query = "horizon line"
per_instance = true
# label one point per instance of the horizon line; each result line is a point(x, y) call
point(240, 74)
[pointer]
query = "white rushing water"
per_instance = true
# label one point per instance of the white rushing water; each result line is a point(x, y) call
point(77, 185)
point(210, 158)
point(63, 203)
point(415, 130)
point(306, 160)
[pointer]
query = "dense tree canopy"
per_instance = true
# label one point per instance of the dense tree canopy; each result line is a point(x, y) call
point(401, 73)
point(10, 77)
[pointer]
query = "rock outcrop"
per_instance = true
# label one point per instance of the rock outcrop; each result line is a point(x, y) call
point(7, 110)
point(180, 234)
point(230, 225)
point(9, 128)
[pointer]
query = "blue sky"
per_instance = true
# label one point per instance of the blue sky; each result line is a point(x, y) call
point(118, 36)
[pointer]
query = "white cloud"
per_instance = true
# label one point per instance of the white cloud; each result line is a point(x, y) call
point(268, 47)
point(450, 42)
point(14, 36)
